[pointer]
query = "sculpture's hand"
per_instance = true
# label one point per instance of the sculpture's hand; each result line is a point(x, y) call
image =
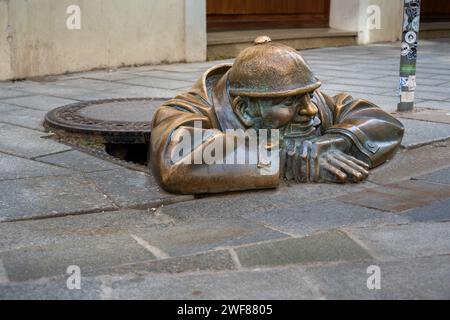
point(323, 159)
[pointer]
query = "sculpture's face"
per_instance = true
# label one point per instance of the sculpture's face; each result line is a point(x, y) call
point(275, 113)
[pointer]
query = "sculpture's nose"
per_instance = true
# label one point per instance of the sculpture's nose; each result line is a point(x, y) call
point(307, 107)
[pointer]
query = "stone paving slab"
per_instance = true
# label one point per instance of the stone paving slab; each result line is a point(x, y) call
point(143, 92)
point(399, 197)
point(241, 203)
point(49, 196)
point(129, 188)
point(70, 229)
point(444, 105)
point(39, 102)
point(413, 162)
point(54, 289)
point(437, 211)
point(440, 176)
point(219, 260)
point(79, 161)
point(441, 116)
point(158, 83)
point(323, 247)
point(89, 253)
point(23, 117)
point(420, 278)
point(11, 93)
point(16, 168)
point(26, 142)
point(405, 241)
point(307, 218)
point(258, 284)
point(207, 234)
point(422, 132)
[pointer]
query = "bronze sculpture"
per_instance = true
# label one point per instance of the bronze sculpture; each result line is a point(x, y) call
point(269, 86)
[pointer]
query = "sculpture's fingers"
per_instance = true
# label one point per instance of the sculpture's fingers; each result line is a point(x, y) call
point(355, 174)
point(352, 164)
point(357, 161)
point(341, 176)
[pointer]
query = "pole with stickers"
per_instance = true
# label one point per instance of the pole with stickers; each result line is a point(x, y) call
point(407, 85)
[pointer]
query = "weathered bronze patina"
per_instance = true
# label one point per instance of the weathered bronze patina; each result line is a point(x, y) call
point(322, 138)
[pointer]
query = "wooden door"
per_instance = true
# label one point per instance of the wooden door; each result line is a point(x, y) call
point(434, 10)
point(257, 14)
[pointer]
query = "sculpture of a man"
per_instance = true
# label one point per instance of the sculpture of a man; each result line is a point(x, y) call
point(269, 86)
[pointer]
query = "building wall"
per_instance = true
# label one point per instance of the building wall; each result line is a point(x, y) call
point(352, 15)
point(35, 40)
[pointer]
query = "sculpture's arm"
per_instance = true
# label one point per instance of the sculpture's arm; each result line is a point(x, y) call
point(357, 135)
point(183, 162)
point(375, 134)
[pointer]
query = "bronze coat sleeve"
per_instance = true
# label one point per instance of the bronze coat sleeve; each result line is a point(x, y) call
point(174, 175)
point(375, 134)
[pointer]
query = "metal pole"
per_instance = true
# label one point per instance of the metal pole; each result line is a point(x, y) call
point(407, 85)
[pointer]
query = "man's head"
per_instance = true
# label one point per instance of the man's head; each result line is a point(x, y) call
point(271, 86)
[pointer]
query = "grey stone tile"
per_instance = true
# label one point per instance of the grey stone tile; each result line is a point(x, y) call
point(257, 284)
point(16, 168)
point(251, 202)
point(112, 75)
point(6, 93)
point(143, 92)
point(23, 117)
point(53, 289)
point(158, 83)
point(130, 188)
point(89, 253)
point(437, 211)
point(398, 197)
point(207, 234)
point(53, 89)
point(45, 232)
point(353, 89)
point(324, 247)
point(420, 278)
point(26, 142)
point(219, 260)
point(80, 161)
point(405, 241)
point(39, 102)
point(422, 132)
point(89, 84)
point(49, 196)
point(410, 163)
point(308, 218)
point(433, 104)
point(189, 77)
point(440, 176)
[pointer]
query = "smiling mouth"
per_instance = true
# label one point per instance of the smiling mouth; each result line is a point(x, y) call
point(302, 128)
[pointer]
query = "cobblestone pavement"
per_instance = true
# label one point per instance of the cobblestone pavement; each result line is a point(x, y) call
point(62, 207)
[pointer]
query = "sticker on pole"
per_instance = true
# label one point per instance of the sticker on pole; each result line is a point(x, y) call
point(411, 37)
point(405, 49)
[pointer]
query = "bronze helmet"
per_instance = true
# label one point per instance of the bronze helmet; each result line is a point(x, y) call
point(270, 69)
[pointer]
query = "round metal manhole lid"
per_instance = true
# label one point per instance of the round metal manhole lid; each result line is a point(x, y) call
point(115, 120)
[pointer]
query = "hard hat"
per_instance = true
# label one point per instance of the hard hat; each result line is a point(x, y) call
point(269, 69)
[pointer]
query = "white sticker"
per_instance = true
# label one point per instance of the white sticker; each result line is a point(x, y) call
point(407, 96)
point(411, 83)
point(405, 49)
point(410, 37)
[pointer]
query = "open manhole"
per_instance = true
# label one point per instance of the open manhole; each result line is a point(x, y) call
point(121, 126)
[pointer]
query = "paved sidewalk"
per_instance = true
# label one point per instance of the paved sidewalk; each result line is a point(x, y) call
point(60, 206)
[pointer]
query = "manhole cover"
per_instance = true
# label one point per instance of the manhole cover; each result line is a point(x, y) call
point(121, 121)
